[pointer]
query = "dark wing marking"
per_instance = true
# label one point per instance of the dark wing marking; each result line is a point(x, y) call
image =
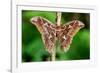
point(47, 30)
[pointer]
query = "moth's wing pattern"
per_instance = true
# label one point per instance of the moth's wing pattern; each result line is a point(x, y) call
point(47, 30)
point(70, 30)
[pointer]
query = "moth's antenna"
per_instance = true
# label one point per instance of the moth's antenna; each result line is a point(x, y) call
point(58, 18)
point(76, 16)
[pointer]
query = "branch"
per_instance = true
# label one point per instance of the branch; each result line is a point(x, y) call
point(58, 18)
point(53, 55)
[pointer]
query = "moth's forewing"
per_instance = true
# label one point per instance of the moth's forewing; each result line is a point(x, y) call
point(71, 30)
point(47, 30)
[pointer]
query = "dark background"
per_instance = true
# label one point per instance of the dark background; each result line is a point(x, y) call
point(33, 49)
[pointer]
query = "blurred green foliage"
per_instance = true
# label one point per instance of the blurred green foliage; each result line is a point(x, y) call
point(33, 49)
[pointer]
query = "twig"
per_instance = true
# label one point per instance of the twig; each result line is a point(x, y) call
point(58, 20)
point(53, 55)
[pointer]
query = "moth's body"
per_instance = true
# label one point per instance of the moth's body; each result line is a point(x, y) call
point(51, 33)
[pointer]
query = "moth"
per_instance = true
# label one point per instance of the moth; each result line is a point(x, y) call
point(51, 32)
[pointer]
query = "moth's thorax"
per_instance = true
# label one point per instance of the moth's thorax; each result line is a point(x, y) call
point(59, 30)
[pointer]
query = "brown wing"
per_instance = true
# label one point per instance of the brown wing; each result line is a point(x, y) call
point(70, 30)
point(47, 30)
